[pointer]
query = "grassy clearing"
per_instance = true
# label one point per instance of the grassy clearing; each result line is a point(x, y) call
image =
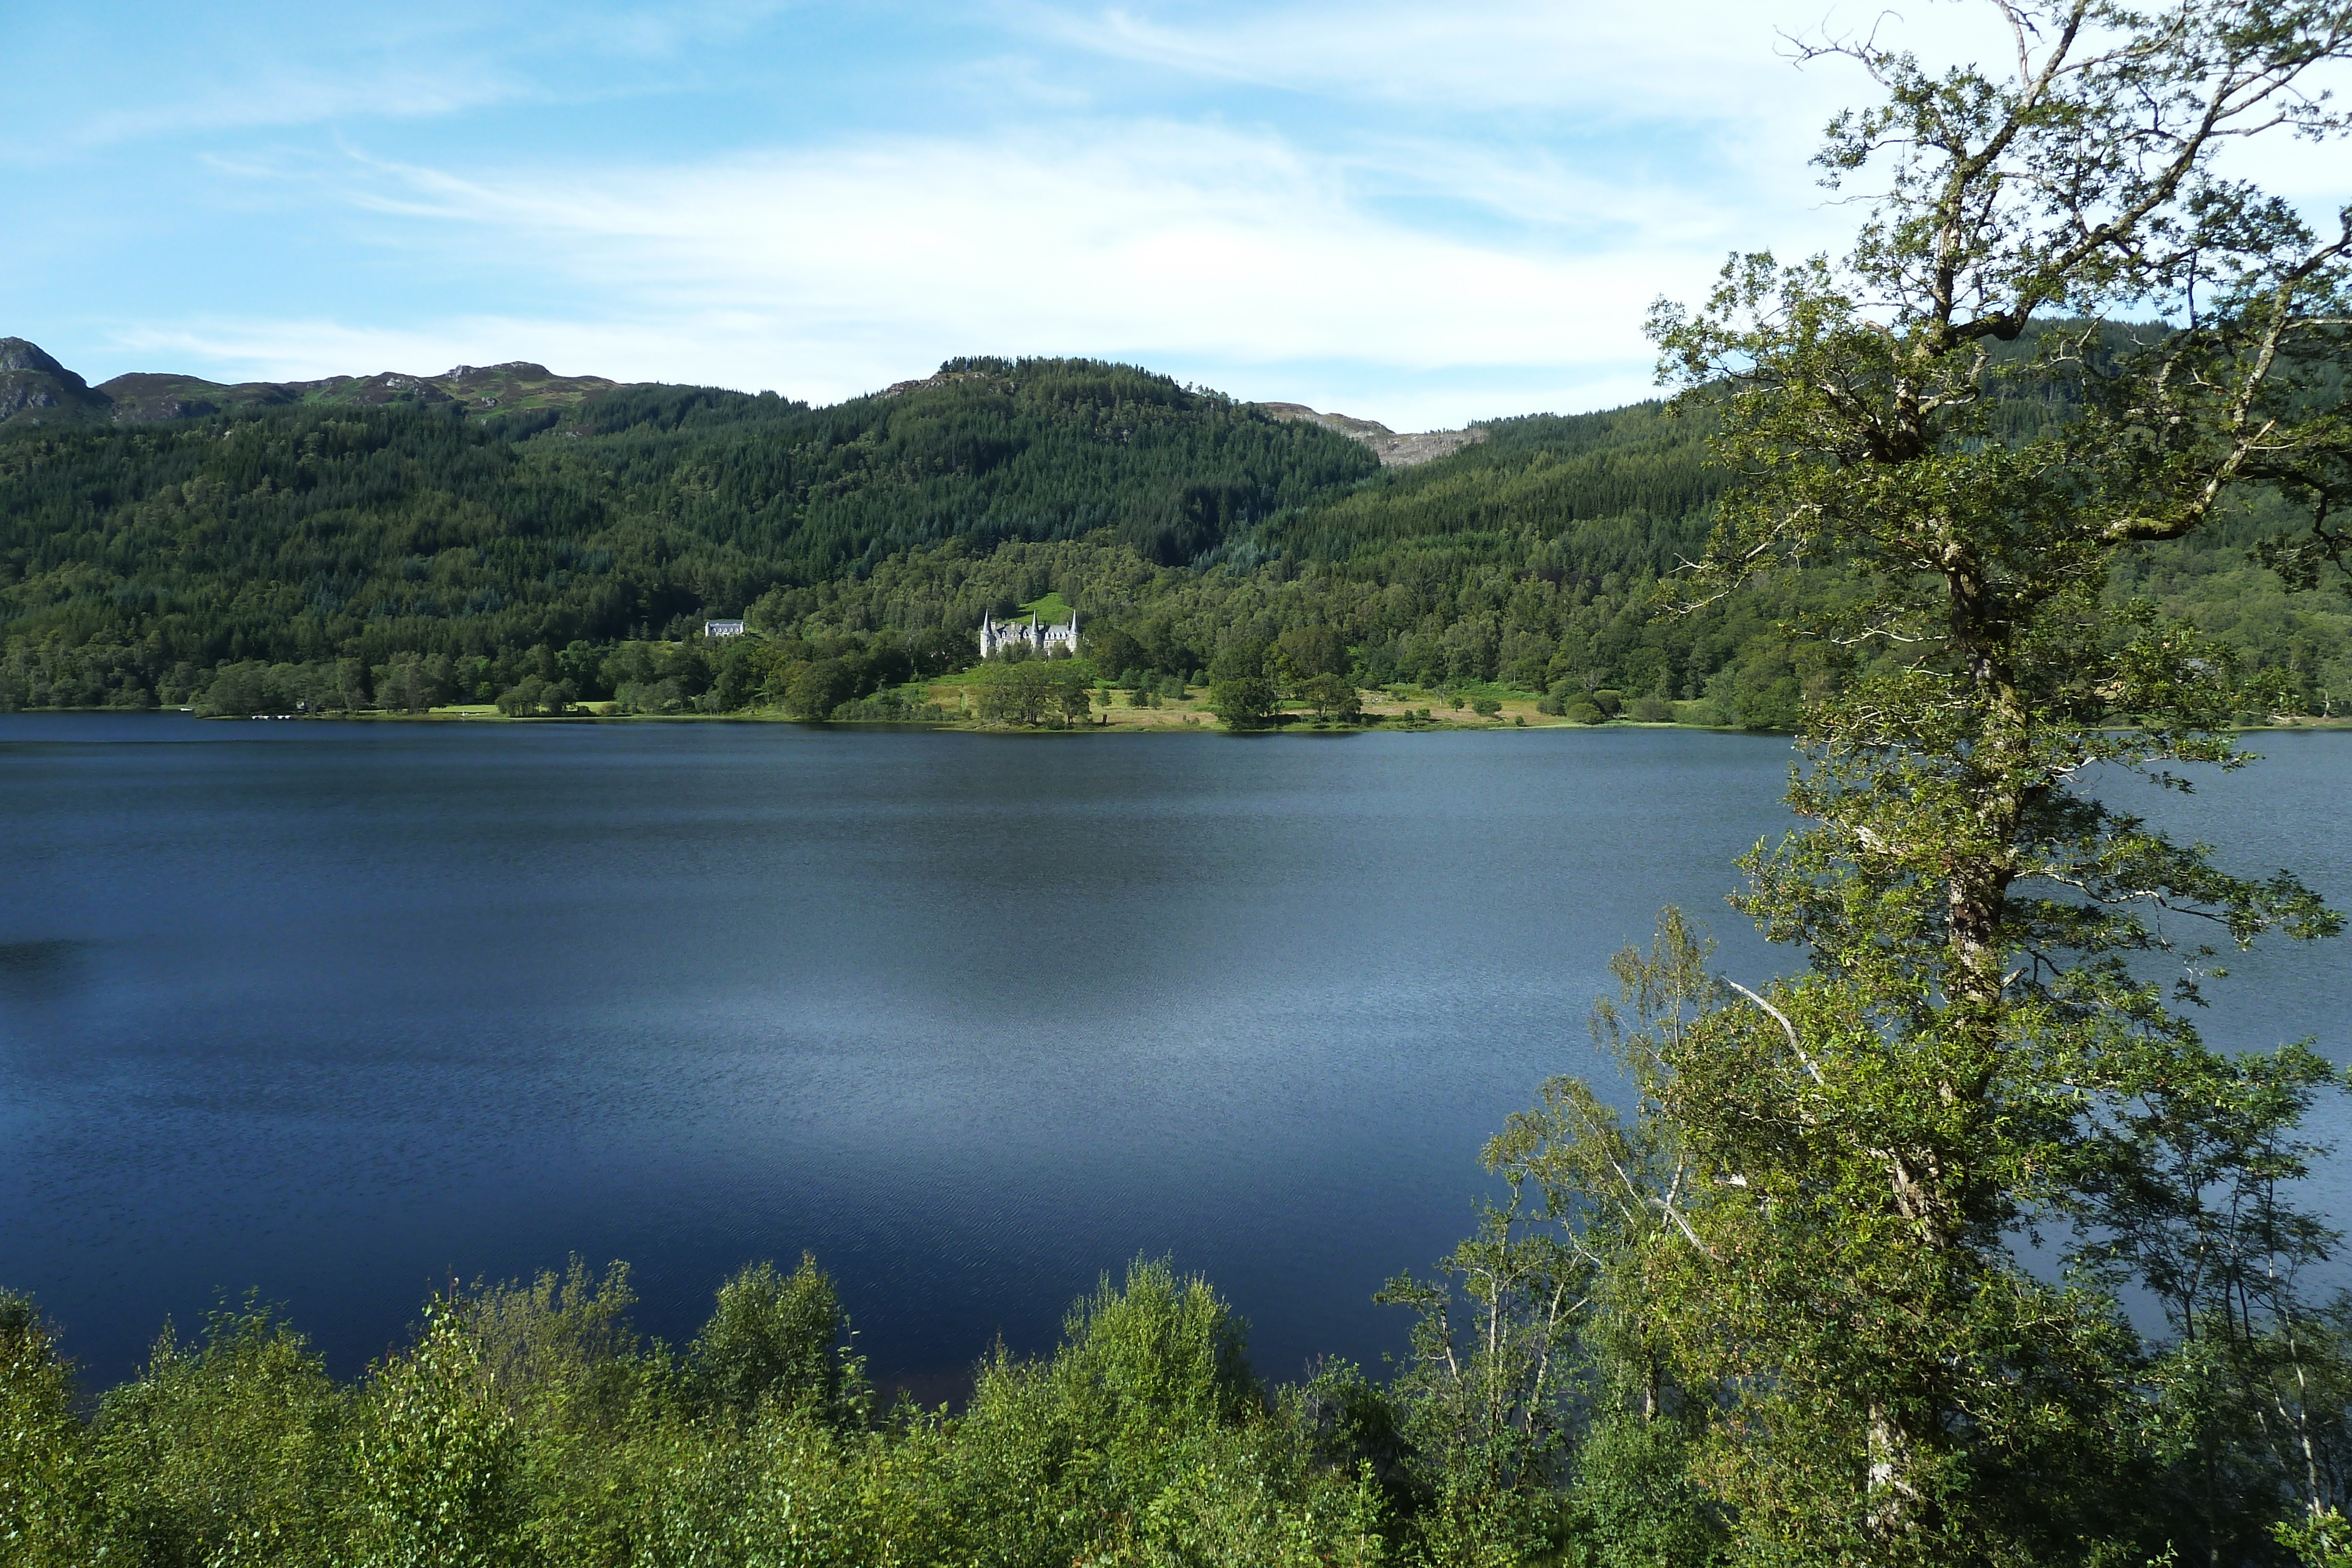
point(1050, 610)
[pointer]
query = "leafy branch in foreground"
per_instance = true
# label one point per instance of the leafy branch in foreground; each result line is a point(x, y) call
point(1981, 1054)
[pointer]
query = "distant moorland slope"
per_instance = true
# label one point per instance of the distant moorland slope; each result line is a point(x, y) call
point(34, 390)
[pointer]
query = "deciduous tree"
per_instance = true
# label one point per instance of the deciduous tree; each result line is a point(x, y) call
point(1957, 1069)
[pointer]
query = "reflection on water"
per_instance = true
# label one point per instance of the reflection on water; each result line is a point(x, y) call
point(339, 1011)
point(36, 972)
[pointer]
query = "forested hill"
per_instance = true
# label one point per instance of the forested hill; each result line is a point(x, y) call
point(409, 550)
point(319, 531)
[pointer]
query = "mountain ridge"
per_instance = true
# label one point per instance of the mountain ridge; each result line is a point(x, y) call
point(36, 389)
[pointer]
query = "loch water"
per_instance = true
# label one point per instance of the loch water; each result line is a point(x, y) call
point(341, 1012)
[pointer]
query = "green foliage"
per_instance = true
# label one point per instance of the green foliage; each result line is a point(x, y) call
point(1159, 1348)
point(1836, 1172)
point(532, 697)
point(1653, 710)
point(305, 534)
point(1334, 696)
point(1146, 1440)
point(1488, 1400)
point(788, 1490)
point(528, 1424)
point(234, 1452)
point(46, 1492)
point(779, 1341)
point(309, 558)
point(1240, 692)
point(1775, 1308)
point(437, 1462)
point(820, 688)
point(1033, 692)
point(1798, 1257)
point(1634, 1500)
point(2322, 1541)
point(1309, 651)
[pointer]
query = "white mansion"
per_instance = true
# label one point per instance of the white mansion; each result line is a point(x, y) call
point(996, 634)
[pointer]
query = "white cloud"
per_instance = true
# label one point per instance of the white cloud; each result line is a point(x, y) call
point(1701, 60)
point(1164, 242)
point(1472, 219)
point(262, 67)
point(300, 94)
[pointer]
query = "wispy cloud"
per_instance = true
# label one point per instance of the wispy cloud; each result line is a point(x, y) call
point(1420, 214)
point(1237, 255)
point(1707, 88)
point(188, 73)
point(1495, 57)
point(278, 94)
point(1153, 238)
point(1703, 60)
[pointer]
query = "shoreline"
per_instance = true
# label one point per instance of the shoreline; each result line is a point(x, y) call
point(1194, 721)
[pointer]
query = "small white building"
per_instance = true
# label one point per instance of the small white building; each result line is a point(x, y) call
point(1048, 641)
point(722, 628)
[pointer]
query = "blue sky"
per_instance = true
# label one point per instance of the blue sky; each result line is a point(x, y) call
point(1422, 214)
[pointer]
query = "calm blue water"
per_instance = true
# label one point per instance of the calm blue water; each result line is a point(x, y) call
point(342, 1011)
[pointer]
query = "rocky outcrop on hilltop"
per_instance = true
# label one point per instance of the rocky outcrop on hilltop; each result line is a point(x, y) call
point(36, 390)
point(900, 388)
point(517, 384)
point(1394, 450)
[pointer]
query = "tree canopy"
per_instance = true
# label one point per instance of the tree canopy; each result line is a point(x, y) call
point(314, 545)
